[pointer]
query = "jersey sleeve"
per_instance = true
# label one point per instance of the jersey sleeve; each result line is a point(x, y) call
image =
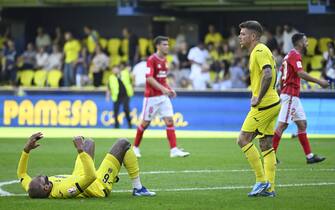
point(296, 62)
point(73, 187)
point(25, 179)
point(150, 68)
point(263, 59)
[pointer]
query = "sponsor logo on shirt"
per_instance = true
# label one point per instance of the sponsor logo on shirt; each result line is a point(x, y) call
point(161, 74)
point(72, 190)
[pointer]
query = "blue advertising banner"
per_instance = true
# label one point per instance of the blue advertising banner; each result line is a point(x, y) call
point(192, 111)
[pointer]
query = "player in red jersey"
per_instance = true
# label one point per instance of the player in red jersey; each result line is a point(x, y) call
point(291, 109)
point(157, 98)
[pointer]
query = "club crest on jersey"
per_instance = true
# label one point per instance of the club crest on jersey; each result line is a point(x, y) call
point(299, 65)
point(72, 190)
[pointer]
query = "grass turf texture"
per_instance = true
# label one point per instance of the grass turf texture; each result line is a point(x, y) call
point(220, 156)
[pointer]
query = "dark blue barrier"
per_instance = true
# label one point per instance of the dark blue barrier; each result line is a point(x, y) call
point(220, 111)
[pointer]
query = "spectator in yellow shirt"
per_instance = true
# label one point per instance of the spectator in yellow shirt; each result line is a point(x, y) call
point(213, 36)
point(71, 52)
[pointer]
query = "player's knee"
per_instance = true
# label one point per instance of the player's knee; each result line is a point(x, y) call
point(123, 143)
point(266, 143)
point(302, 126)
point(145, 124)
point(243, 139)
point(281, 128)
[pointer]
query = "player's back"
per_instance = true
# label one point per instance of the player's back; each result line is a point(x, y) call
point(157, 68)
point(261, 57)
point(290, 81)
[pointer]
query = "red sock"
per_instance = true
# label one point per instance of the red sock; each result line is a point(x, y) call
point(139, 135)
point(171, 135)
point(275, 140)
point(304, 142)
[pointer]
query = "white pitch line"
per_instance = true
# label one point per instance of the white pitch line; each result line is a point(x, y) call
point(5, 193)
point(226, 171)
point(214, 188)
point(230, 187)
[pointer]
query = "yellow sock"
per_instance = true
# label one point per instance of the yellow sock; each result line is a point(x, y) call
point(255, 162)
point(269, 158)
point(131, 164)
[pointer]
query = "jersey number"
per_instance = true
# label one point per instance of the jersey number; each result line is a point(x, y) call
point(105, 179)
point(284, 76)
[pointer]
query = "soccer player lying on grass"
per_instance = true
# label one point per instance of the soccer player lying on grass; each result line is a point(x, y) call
point(85, 181)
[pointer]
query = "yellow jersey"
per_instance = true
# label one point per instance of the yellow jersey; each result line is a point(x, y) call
point(215, 38)
point(71, 51)
point(260, 57)
point(64, 186)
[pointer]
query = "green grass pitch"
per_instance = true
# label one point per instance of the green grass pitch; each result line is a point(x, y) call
point(215, 176)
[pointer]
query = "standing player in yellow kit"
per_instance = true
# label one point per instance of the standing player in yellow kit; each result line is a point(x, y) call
point(85, 181)
point(265, 106)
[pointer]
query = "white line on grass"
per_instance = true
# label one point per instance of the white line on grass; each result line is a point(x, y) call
point(227, 171)
point(5, 193)
point(207, 188)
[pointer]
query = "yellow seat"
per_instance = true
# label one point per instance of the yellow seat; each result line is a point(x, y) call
point(125, 49)
point(317, 62)
point(103, 43)
point(315, 74)
point(113, 46)
point(26, 77)
point(54, 77)
point(323, 43)
point(105, 77)
point(151, 46)
point(312, 42)
point(114, 60)
point(40, 78)
point(125, 58)
point(172, 43)
point(143, 46)
point(305, 61)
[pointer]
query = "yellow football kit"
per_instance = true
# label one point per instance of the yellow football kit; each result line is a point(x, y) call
point(262, 118)
point(85, 181)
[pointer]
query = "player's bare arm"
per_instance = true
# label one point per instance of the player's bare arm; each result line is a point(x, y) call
point(32, 142)
point(265, 84)
point(304, 75)
point(160, 87)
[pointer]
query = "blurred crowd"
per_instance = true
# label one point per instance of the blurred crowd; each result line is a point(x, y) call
point(216, 62)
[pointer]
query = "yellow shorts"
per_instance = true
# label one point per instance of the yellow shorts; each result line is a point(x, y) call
point(106, 176)
point(262, 120)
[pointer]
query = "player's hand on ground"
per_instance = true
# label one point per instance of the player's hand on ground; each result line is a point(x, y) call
point(255, 101)
point(32, 142)
point(78, 142)
point(324, 83)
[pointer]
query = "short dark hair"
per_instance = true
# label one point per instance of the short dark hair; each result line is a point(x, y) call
point(252, 25)
point(159, 39)
point(297, 37)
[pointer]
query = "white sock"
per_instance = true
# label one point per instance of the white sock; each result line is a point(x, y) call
point(137, 183)
point(310, 155)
